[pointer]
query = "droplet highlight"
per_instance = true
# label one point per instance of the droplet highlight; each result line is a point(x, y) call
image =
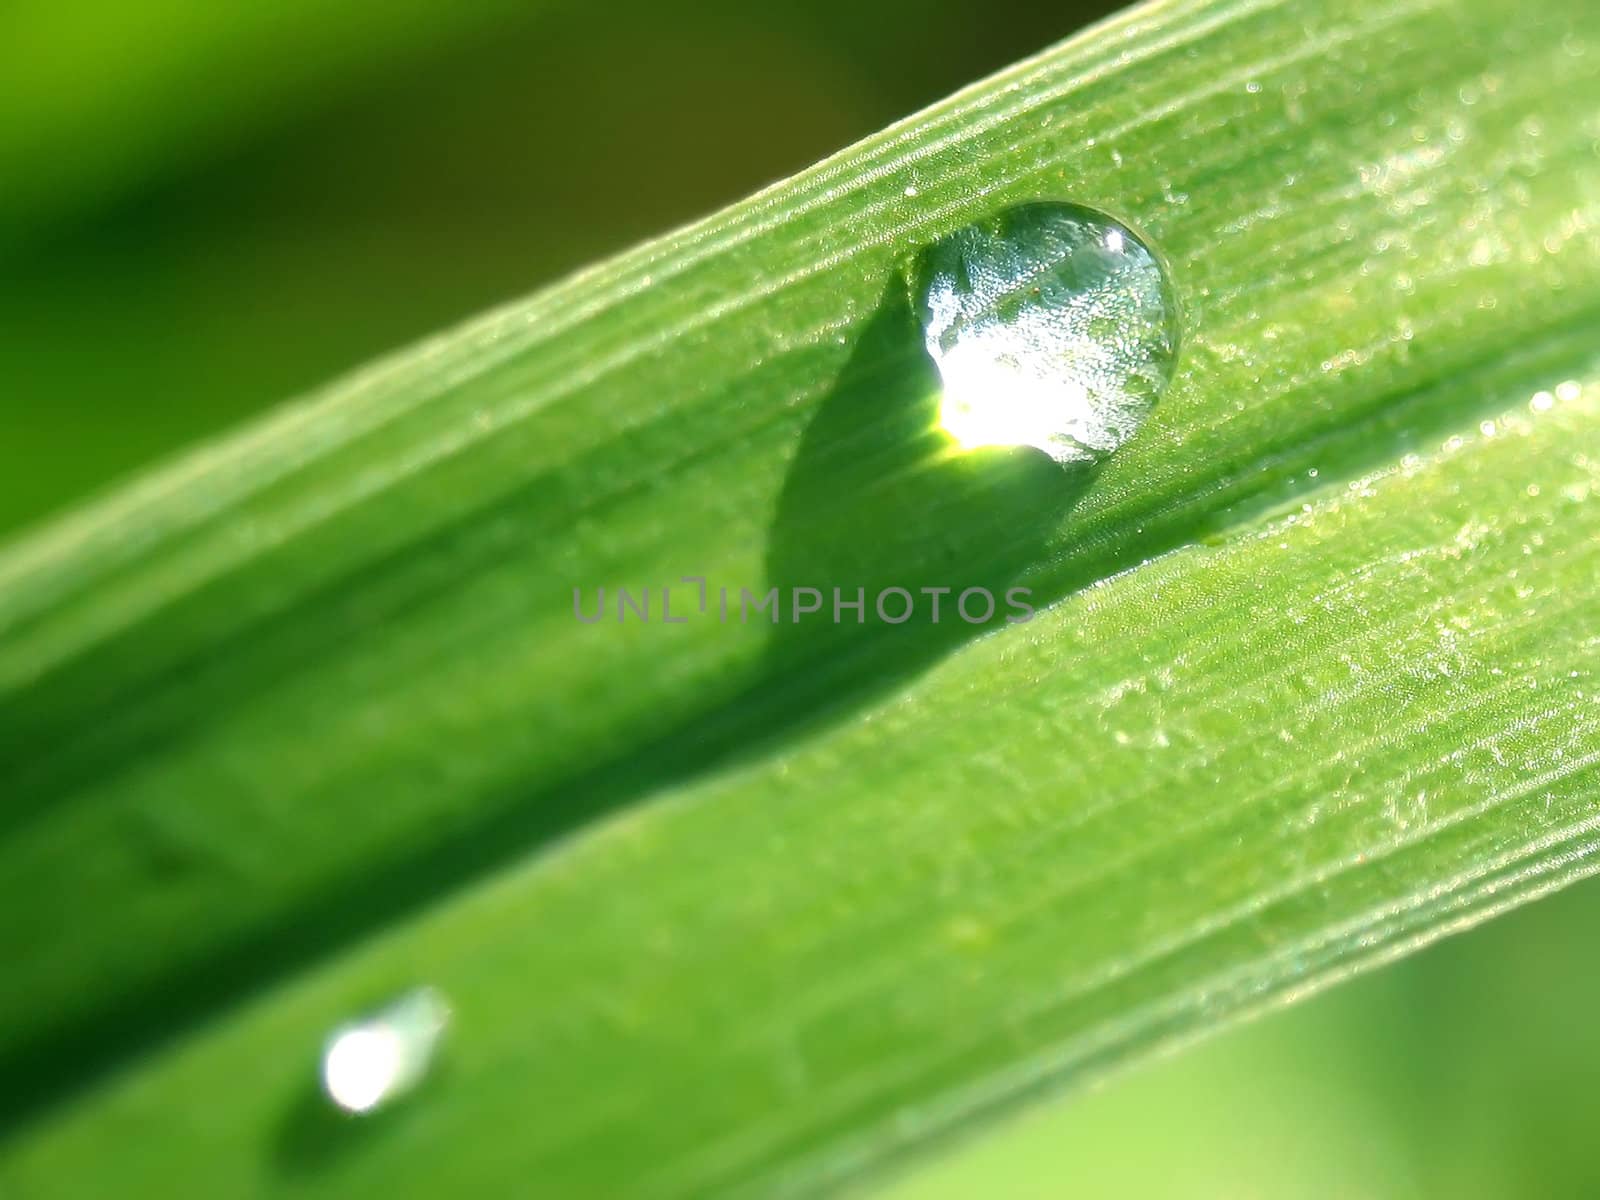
point(1052, 325)
point(370, 1062)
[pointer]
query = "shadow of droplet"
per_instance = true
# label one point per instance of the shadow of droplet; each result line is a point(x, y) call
point(879, 504)
point(313, 1132)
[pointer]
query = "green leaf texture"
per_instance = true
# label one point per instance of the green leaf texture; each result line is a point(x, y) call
point(732, 908)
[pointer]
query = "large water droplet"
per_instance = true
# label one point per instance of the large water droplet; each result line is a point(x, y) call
point(370, 1062)
point(1052, 325)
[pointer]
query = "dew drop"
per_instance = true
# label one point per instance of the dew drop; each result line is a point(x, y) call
point(1052, 326)
point(370, 1062)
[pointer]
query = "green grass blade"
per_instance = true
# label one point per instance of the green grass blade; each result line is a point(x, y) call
point(301, 712)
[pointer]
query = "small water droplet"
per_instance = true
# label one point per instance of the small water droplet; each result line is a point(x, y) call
point(370, 1062)
point(1052, 326)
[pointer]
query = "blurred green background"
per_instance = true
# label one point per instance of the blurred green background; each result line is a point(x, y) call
point(207, 209)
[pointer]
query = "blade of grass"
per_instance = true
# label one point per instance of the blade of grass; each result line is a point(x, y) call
point(308, 683)
point(1231, 776)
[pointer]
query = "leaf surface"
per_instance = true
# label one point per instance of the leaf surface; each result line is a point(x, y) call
point(308, 716)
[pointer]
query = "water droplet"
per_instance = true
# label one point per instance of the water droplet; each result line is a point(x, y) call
point(369, 1062)
point(1052, 326)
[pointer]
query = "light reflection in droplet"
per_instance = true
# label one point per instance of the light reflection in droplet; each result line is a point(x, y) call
point(1052, 326)
point(369, 1062)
